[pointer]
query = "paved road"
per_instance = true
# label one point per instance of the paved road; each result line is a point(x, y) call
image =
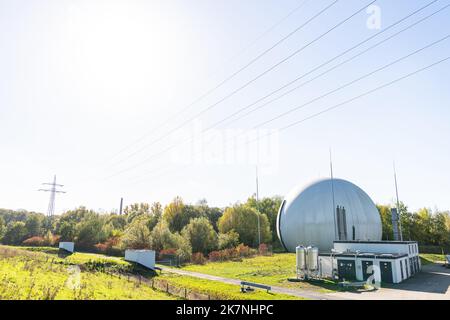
point(433, 283)
point(293, 292)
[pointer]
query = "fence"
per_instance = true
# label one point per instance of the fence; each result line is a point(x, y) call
point(434, 249)
point(166, 286)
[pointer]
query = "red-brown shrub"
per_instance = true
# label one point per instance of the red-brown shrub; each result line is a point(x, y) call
point(167, 252)
point(34, 241)
point(198, 258)
point(264, 249)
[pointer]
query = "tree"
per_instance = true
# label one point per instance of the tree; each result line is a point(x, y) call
point(228, 240)
point(89, 232)
point(178, 215)
point(386, 222)
point(439, 231)
point(2, 228)
point(156, 212)
point(119, 222)
point(244, 220)
point(15, 233)
point(162, 237)
point(211, 213)
point(137, 235)
point(67, 231)
point(201, 235)
point(135, 210)
point(268, 207)
point(33, 223)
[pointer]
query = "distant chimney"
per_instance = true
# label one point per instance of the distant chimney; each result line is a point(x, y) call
point(121, 206)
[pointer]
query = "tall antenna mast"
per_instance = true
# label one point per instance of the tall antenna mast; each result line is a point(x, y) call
point(398, 204)
point(53, 191)
point(257, 206)
point(332, 195)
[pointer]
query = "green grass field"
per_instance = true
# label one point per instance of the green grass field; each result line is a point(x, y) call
point(41, 273)
point(37, 276)
point(428, 258)
point(222, 291)
point(271, 270)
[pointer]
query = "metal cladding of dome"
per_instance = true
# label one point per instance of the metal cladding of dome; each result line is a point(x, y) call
point(307, 215)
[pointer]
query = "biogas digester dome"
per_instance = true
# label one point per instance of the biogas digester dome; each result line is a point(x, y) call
point(307, 215)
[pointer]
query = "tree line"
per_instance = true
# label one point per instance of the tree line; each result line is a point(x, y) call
point(178, 227)
point(429, 228)
point(185, 229)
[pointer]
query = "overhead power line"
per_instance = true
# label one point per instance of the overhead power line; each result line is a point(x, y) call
point(233, 75)
point(290, 56)
point(336, 106)
point(347, 84)
point(307, 73)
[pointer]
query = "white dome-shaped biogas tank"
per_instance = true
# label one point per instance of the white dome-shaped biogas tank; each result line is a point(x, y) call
point(308, 215)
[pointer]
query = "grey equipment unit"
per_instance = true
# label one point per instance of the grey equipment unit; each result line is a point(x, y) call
point(300, 255)
point(312, 258)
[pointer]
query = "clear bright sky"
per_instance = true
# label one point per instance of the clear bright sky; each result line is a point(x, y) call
point(82, 80)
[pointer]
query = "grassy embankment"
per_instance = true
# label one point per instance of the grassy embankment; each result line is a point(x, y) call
point(428, 258)
point(39, 276)
point(92, 266)
point(271, 270)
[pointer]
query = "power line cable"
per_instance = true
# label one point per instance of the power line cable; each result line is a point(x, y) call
point(309, 72)
point(230, 77)
point(349, 83)
point(243, 87)
point(340, 104)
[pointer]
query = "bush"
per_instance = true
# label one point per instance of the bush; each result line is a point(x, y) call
point(110, 246)
point(34, 242)
point(48, 240)
point(215, 256)
point(240, 251)
point(264, 250)
point(198, 258)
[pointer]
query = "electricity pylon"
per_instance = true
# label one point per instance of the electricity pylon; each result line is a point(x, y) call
point(53, 191)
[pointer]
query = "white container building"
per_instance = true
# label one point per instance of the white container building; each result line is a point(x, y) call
point(387, 261)
point(68, 246)
point(145, 258)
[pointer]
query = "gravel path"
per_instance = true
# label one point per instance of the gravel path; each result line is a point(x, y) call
point(275, 289)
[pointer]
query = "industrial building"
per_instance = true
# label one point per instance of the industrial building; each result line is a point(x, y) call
point(335, 229)
point(387, 261)
point(324, 211)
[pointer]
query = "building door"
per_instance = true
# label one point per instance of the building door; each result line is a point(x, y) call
point(346, 270)
point(386, 271)
point(365, 266)
point(401, 269)
point(416, 262)
point(411, 266)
